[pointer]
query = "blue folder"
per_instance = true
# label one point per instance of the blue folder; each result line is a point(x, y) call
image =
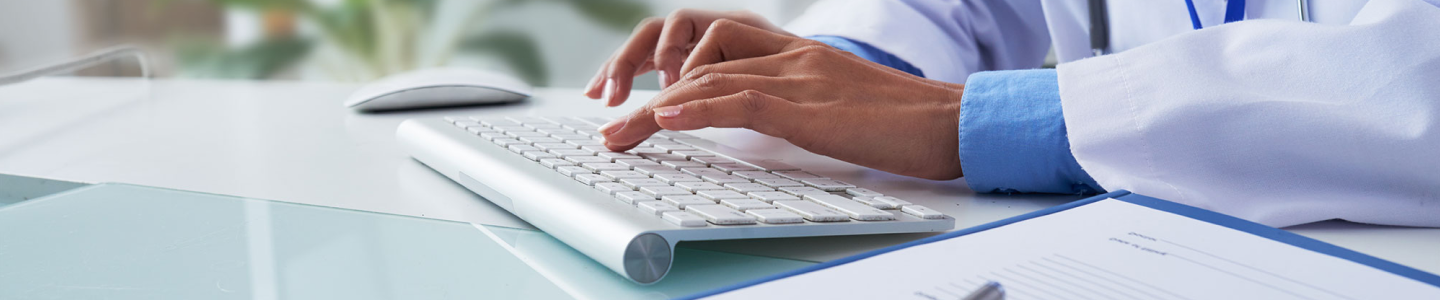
point(1154, 203)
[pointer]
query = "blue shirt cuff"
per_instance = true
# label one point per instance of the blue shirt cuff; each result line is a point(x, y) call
point(868, 52)
point(1012, 136)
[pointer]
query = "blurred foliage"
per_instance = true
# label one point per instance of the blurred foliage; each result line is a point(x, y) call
point(380, 37)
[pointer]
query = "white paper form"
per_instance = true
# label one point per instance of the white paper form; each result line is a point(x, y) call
point(1109, 249)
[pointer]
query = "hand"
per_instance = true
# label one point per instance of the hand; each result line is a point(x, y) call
point(817, 97)
point(660, 44)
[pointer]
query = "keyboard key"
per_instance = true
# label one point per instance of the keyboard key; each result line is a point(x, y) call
point(513, 128)
point(656, 170)
point(802, 190)
point(538, 126)
point(616, 155)
point(556, 145)
point(812, 211)
point(642, 182)
point(768, 197)
point(747, 187)
point(538, 155)
point(675, 178)
point(570, 152)
point(682, 164)
point(480, 129)
point(674, 135)
point(453, 119)
point(583, 143)
point(642, 150)
point(493, 136)
point(521, 148)
point(597, 148)
point(493, 122)
point(555, 162)
point(536, 140)
point(559, 131)
point(623, 174)
point(682, 201)
point(702, 171)
point(745, 204)
point(699, 186)
point(597, 167)
point(520, 134)
point(655, 207)
point(712, 160)
point(733, 167)
point(721, 194)
point(723, 179)
point(755, 175)
point(632, 197)
point(864, 192)
point(655, 141)
point(684, 219)
point(612, 187)
point(775, 216)
point(572, 136)
point(573, 170)
point(507, 142)
point(661, 191)
point(721, 215)
point(797, 175)
point(855, 210)
point(692, 153)
point(922, 212)
point(674, 147)
point(779, 182)
point(892, 202)
point(636, 162)
point(872, 203)
point(661, 157)
point(586, 159)
point(829, 185)
point(772, 165)
point(591, 179)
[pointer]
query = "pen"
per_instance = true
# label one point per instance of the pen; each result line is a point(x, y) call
point(989, 291)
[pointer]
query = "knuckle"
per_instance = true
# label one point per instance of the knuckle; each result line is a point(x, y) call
point(722, 25)
point(753, 102)
point(647, 22)
point(710, 81)
point(683, 13)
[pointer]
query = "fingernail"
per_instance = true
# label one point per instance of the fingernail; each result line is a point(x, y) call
point(614, 126)
point(664, 79)
point(609, 92)
point(668, 111)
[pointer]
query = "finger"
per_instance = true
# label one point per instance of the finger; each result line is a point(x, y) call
point(628, 61)
point(640, 124)
point(592, 89)
point(683, 29)
point(751, 109)
point(727, 40)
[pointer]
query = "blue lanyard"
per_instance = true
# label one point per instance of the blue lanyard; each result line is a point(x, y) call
point(1234, 11)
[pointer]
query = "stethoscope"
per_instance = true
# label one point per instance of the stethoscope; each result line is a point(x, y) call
point(1100, 20)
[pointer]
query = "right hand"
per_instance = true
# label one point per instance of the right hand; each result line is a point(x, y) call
point(663, 45)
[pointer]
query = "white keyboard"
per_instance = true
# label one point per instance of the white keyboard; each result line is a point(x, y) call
point(628, 209)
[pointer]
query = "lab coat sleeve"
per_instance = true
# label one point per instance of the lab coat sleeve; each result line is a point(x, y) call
point(947, 40)
point(1279, 122)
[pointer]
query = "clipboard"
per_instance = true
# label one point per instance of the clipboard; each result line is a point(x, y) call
point(1199, 214)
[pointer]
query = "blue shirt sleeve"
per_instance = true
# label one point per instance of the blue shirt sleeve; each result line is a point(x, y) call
point(1012, 136)
point(868, 52)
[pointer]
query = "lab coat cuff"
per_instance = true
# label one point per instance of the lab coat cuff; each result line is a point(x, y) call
point(1012, 135)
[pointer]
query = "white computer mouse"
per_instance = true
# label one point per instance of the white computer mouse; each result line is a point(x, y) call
point(436, 88)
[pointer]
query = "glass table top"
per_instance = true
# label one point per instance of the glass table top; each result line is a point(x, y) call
point(134, 242)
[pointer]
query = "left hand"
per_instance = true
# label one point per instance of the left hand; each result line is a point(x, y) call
point(817, 97)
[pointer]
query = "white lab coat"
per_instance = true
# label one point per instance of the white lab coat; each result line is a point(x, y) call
point(1271, 119)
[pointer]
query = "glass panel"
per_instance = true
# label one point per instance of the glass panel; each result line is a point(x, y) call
point(124, 241)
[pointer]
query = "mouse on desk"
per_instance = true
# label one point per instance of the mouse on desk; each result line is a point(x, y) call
point(438, 87)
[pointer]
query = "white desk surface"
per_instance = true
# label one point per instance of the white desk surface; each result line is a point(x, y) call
point(294, 142)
